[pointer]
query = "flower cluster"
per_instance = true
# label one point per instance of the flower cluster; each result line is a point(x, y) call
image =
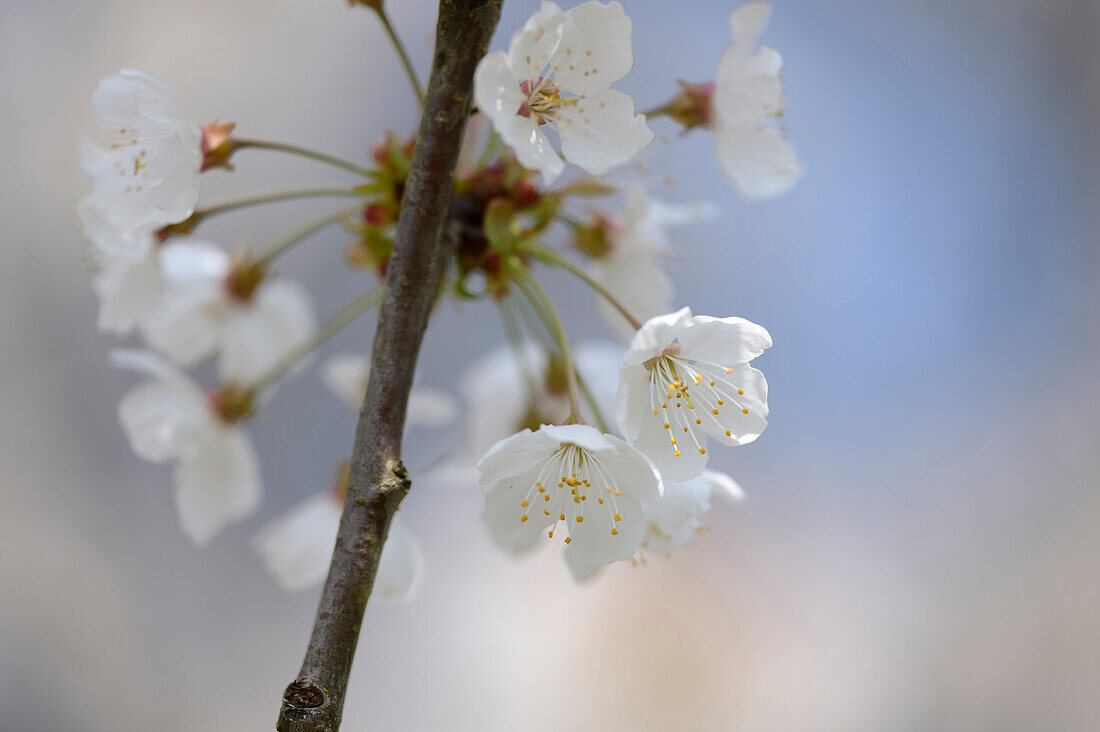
point(604, 445)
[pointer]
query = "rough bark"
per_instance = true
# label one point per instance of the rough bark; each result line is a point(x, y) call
point(378, 481)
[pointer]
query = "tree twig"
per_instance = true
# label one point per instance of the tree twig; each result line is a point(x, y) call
point(378, 481)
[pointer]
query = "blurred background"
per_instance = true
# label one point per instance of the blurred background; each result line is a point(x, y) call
point(921, 541)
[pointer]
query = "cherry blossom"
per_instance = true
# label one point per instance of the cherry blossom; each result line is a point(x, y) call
point(169, 419)
point(150, 176)
point(593, 483)
point(558, 71)
point(684, 378)
point(296, 547)
point(672, 523)
point(633, 266)
point(212, 304)
point(748, 93)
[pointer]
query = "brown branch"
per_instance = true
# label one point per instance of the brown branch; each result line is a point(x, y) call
point(314, 701)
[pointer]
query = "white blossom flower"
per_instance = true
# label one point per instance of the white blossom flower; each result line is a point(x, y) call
point(633, 269)
point(673, 522)
point(150, 177)
point(595, 483)
point(748, 94)
point(684, 378)
point(558, 71)
point(296, 548)
point(127, 270)
point(250, 320)
point(347, 373)
point(169, 419)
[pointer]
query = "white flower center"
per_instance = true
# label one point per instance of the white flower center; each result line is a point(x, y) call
point(561, 491)
point(544, 100)
point(136, 166)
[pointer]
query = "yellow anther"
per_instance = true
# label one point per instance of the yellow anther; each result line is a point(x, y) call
point(618, 517)
point(712, 383)
point(563, 517)
point(656, 412)
point(523, 519)
point(608, 489)
point(568, 539)
point(550, 534)
point(727, 433)
point(545, 512)
point(744, 411)
point(614, 531)
point(618, 493)
point(542, 489)
point(664, 406)
point(580, 519)
point(584, 498)
point(524, 504)
point(686, 429)
point(666, 425)
point(601, 501)
point(702, 451)
point(720, 402)
point(715, 411)
point(740, 391)
point(546, 498)
point(673, 440)
point(698, 421)
point(729, 371)
point(677, 453)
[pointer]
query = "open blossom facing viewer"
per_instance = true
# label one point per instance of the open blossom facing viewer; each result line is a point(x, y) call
point(594, 483)
point(169, 419)
point(213, 304)
point(684, 378)
point(150, 177)
point(558, 71)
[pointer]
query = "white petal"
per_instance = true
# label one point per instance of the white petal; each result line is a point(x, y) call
point(681, 502)
point(399, 567)
point(581, 435)
point(757, 160)
point(430, 407)
point(593, 541)
point(165, 420)
point(346, 375)
point(747, 88)
point(723, 486)
point(188, 260)
point(655, 335)
point(743, 415)
point(534, 43)
point(258, 334)
point(515, 455)
point(496, 89)
point(633, 401)
point(187, 324)
point(101, 231)
point(531, 146)
point(172, 185)
point(724, 341)
point(129, 289)
point(595, 49)
point(297, 546)
point(504, 509)
point(632, 471)
point(598, 364)
point(747, 21)
point(602, 132)
point(679, 461)
point(218, 484)
point(580, 569)
point(139, 100)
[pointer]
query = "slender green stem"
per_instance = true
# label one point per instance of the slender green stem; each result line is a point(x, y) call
point(285, 194)
point(401, 53)
point(303, 231)
point(301, 152)
point(515, 344)
point(551, 257)
point(329, 328)
point(545, 306)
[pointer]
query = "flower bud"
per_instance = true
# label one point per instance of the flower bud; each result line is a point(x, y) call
point(217, 145)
